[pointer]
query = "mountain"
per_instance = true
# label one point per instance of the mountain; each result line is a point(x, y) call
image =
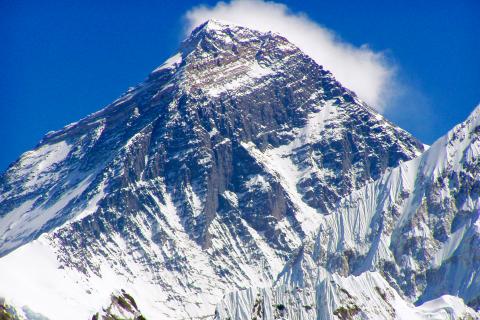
point(238, 163)
point(411, 236)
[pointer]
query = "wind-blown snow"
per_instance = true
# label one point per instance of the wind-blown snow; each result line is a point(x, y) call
point(170, 63)
point(24, 221)
point(253, 72)
point(36, 164)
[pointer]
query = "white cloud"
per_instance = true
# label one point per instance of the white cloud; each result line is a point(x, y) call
point(358, 68)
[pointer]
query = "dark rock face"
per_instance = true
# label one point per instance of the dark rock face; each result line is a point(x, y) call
point(181, 154)
point(122, 307)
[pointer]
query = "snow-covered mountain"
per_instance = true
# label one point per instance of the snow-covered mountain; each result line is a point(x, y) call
point(240, 163)
point(412, 236)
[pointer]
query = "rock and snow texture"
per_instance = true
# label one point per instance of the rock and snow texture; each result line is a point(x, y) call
point(122, 306)
point(411, 236)
point(211, 176)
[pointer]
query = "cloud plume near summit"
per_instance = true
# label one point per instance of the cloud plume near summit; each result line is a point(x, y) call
point(358, 68)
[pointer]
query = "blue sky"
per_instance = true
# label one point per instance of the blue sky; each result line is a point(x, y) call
point(61, 61)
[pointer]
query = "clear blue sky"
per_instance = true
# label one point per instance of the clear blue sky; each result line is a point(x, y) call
point(62, 60)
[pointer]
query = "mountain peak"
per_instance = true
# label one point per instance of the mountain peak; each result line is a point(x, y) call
point(220, 56)
point(221, 32)
point(209, 27)
point(214, 24)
